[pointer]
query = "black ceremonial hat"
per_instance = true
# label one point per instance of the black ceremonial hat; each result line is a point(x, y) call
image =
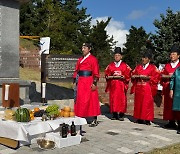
point(87, 45)
point(147, 54)
point(117, 50)
point(175, 48)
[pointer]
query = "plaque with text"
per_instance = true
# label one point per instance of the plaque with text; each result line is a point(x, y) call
point(60, 67)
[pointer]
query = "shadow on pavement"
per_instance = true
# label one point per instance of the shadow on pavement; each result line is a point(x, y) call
point(158, 98)
point(159, 122)
point(130, 117)
point(53, 92)
point(105, 111)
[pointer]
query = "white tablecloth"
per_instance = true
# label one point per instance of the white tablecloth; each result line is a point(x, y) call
point(24, 131)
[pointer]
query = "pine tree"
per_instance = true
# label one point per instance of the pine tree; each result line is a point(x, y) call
point(67, 25)
point(75, 25)
point(102, 43)
point(136, 42)
point(167, 34)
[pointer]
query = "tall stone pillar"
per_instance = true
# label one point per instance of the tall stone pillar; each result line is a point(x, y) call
point(9, 44)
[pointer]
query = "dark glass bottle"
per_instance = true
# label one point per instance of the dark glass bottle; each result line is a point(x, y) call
point(64, 130)
point(73, 129)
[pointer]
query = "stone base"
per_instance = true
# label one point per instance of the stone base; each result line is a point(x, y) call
point(24, 89)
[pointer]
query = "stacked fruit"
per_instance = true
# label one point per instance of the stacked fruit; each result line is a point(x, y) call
point(52, 110)
point(66, 112)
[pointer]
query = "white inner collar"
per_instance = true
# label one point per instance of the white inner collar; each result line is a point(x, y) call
point(117, 64)
point(85, 57)
point(173, 65)
point(145, 66)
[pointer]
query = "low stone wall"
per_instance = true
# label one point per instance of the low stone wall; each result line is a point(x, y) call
point(67, 100)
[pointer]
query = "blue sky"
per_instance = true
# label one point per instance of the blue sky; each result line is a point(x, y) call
point(125, 13)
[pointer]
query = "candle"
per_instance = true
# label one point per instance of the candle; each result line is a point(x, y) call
point(6, 92)
point(43, 90)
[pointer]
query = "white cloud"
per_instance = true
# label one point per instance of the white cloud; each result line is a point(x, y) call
point(115, 29)
point(136, 14)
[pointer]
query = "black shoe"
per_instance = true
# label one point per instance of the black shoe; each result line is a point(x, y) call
point(178, 131)
point(121, 119)
point(94, 123)
point(139, 121)
point(121, 116)
point(147, 122)
point(170, 126)
point(115, 116)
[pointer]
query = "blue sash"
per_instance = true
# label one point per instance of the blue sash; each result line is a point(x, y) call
point(80, 73)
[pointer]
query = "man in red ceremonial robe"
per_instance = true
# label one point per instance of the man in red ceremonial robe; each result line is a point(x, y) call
point(145, 78)
point(169, 69)
point(117, 76)
point(86, 76)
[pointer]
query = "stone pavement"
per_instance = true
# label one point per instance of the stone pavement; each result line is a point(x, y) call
point(112, 137)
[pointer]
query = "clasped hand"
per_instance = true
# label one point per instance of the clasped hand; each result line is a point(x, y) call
point(93, 87)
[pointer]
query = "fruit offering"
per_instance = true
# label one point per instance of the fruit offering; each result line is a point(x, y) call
point(39, 113)
point(52, 110)
point(66, 112)
point(36, 109)
point(67, 109)
point(31, 115)
point(9, 114)
point(22, 115)
point(71, 114)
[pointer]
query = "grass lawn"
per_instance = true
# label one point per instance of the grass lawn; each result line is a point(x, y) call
point(29, 74)
point(173, 149)
point(35, 75)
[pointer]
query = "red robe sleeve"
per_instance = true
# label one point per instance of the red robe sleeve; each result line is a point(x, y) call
point(154, 79)
point(133, 81)
point(95, 68)
point(127, 76)
point(107, 73)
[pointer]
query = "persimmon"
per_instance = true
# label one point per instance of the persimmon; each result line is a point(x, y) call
point(67, 109)
point(61, 113)
point(36, 109)
point(71, 114)
point(66, 114)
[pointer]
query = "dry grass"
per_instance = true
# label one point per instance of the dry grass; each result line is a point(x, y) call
point(173, 149)
point(30, 45)
point(30, 74)
point(35, 75)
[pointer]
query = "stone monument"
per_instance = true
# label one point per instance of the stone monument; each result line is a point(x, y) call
point(9, 47)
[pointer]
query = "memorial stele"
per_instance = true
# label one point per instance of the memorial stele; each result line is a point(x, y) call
point(9, 45)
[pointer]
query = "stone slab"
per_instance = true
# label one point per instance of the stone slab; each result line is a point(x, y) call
point(9, 39)
point(24, 89)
